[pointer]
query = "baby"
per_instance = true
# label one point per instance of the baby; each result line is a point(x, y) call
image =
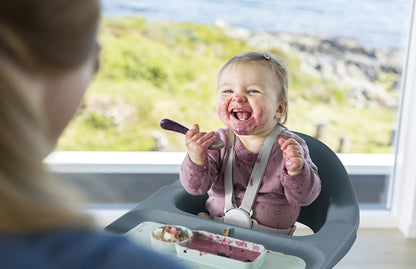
point(264, 174)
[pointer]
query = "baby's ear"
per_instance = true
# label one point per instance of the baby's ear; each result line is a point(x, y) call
point(281, 109)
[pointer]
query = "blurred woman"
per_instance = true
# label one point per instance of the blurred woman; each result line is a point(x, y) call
point(48, 56)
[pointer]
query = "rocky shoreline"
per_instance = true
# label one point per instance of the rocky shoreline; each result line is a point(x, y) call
point(372, 75)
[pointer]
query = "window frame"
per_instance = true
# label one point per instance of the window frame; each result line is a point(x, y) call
point(404, 188)
point(403, 180)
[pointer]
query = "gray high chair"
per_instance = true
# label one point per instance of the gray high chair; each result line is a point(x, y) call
point(333, 216)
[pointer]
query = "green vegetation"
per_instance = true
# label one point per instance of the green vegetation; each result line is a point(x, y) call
point(154, 70)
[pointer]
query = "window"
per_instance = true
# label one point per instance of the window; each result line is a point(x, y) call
point(160, 60)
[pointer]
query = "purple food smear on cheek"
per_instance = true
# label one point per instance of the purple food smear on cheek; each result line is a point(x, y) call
point(222, 110)
point(258, 119)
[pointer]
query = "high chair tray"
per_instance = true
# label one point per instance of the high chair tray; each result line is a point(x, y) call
point(272, 259)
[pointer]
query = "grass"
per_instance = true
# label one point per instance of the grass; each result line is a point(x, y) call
point(154, 70)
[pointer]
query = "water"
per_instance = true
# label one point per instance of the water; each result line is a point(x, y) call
point(373, 23)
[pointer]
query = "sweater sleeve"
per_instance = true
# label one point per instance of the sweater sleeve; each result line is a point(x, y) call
point(198, 179)
point(302, 189)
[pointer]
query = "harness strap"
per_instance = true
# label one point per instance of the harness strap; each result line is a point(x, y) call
point(228, 182)
point(256, 175)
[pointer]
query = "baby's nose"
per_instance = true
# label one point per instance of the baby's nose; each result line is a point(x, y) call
point(240, 98)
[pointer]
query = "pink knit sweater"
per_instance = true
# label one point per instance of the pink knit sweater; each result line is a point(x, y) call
point(280, 195)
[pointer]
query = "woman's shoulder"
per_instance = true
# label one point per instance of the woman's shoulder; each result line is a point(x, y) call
point(81, 247)
point(106, 250)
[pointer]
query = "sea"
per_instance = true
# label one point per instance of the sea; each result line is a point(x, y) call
point(371, 23)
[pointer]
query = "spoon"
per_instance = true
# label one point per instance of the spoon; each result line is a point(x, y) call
point(171, 125)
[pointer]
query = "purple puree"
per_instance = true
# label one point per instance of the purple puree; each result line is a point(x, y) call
point(204, 244)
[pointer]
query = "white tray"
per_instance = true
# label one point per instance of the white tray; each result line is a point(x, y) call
point(272, 259)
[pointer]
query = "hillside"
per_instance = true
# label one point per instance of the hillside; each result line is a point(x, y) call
point(154, 70)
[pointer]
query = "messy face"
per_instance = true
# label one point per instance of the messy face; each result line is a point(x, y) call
point(248, 99)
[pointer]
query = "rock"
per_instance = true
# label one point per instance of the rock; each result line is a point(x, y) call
point(338, 59)
point(161, 141)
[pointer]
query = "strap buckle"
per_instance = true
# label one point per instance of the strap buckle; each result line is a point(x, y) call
point(239, 217)
point(235, 207)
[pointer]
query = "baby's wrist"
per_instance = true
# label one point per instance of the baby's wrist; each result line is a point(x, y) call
point(198, 160)
point(294, 173)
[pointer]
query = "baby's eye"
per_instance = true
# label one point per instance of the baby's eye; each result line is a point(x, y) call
point(252, 91)
point(227, 91)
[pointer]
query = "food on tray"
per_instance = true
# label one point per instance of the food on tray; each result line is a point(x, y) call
point(225, 247)
point(170, 234)
point(226, 232)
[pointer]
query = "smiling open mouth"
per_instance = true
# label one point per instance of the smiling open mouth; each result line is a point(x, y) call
point(241, 115)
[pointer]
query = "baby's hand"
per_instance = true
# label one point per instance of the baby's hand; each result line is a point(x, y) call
point(293, 155)
point(197, 144)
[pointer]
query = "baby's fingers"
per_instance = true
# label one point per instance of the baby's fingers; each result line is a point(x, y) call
point(284, 144)
point(199, 141)
point(293, 155)
point(294, 164)
point(293, 151)
point(206, 139)
point(191, 132)
point(290, 147)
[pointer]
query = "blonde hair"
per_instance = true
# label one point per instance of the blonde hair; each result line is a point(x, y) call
point(276, 64)
point(38, 37)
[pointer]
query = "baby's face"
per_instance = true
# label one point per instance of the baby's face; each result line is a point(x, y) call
point(248, 99)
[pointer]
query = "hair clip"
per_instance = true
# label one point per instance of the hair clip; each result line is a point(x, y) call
point(266, 56)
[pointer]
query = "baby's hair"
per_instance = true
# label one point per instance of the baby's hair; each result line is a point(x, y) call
point(39, 41)
point(276, 64)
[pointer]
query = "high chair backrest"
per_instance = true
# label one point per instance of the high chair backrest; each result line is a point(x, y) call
point(334, 216)
point(337, 200)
